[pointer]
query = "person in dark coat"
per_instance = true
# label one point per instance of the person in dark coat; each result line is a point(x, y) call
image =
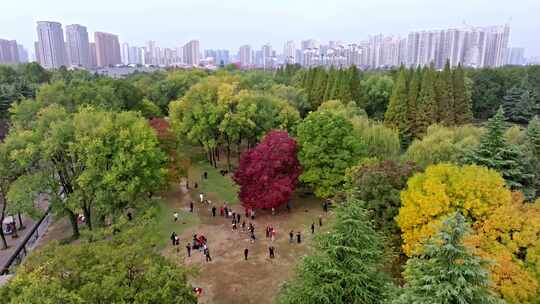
point(312, 228)
point(291, 236)
point(190, 206)
point(213, 211)
point(271, 252)
point(298, 237)
point(188, 248)
point(173, 238)
point(246, 252)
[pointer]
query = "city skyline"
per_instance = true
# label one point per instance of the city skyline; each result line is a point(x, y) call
point(470, 46)
point(220, 26)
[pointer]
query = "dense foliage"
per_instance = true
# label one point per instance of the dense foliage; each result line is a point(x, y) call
point(121, 269)
point(345, 266)
point(327, 148)
point(446, 271)
point(443, 145)
point(88, 161)
point(508, 159)
point(268, 174)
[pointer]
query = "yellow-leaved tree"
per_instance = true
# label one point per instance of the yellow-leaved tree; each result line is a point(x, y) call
point(509, 238)
point(443, 189)
point(505, 229)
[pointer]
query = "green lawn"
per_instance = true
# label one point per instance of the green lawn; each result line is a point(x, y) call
point(217, 187)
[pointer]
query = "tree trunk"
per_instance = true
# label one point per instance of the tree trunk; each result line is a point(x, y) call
point(21, 226)
point(228, 155)
point(88, 217)
point(2, 215)
point(74, 224)
point(210, 159)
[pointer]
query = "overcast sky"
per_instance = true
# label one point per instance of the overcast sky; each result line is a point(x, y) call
point(231, 23)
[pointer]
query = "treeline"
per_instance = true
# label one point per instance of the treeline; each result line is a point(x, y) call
point(423, 97)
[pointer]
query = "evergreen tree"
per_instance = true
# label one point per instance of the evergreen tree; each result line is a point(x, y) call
point(445, 271)
point(396, 114)
point(345, 268)
point(355, 84)
point(443, 89)
point(462, 100)
point(344, 90)
point(414, 91)
point(520, 102)
point(426, 104)
point(330, 83)
point(495, 153)
point(319, 87)
point(533, 143)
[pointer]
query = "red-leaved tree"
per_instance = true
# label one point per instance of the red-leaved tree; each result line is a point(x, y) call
point(268, 173)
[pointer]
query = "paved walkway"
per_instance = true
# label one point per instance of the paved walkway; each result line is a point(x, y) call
point(13, 243)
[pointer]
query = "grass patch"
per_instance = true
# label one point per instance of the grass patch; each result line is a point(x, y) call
point(165, 223)
point(217, 187)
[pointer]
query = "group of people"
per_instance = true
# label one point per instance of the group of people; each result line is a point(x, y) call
point(200, 242)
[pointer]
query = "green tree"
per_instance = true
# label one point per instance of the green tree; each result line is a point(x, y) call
point(346, 265)
point(445, 96)
point(427, 108)
point(377, 90)
point(443, 144)
point(521, 103)
point(462, 100)
point(444, 271)
point(533, 145)
point(396, 114)
point(412, 101)
point(98, 272)
point(83, 163)
point(495, 153)
point(327, 148)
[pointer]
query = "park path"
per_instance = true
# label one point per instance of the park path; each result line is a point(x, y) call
point(229, 278)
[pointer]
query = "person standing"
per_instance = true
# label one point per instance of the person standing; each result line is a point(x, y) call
point(312, 228)
point(238, 217)
point(289, 206)
point(273, 234)
point(325, 206)
point(244, 226)
point(246, 252)
point(271, 253)
point(226, 209)
point(291, 236)
point(201, 197)
point(191, 206)
point(175, 214)
point(214, 211)
point(173, 238)
point(207, 254)
point(320, 220)
point(188, 248)
point(252, 214)
point(298, 237)
point(273, 211)
point(234, 226)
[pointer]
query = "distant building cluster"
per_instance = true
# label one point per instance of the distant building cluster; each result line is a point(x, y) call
point(469, 46)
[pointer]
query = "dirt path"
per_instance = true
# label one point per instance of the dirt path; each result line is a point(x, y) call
point(231, 279)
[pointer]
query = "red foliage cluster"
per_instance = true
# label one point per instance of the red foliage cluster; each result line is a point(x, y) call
point(268, 173)
point(162, 128)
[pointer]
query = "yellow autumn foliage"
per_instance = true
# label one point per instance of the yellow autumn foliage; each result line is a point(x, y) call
point(505, 229)
point(443, 189)
point(509, 238)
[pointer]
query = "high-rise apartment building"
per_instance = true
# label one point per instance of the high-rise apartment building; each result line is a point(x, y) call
point(245, 55)
point(9, 52)
point(516, 56)
point(267, 58)
point(107, 49)
point(51, 47)
point(23, 53)
point(289, 52)
point(93, 56)
point(125, 53)
point(191, 53)
point(78, 45)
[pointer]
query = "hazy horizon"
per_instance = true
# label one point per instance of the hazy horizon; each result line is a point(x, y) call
point(228, 25)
